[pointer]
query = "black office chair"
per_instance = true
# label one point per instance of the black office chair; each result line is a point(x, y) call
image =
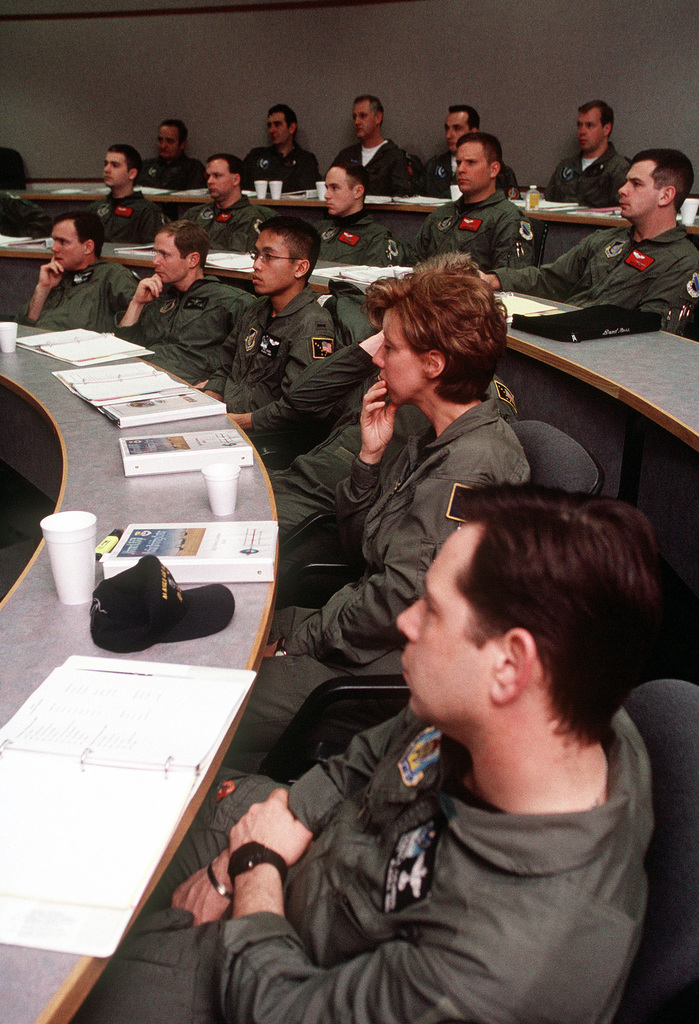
point(11, 169)
point(558, 460)
point(540, 230)
point(663, 987)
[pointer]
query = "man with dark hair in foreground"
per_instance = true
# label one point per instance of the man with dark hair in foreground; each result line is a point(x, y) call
point(480, 856)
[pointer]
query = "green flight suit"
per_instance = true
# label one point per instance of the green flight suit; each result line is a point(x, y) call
point(358, 240)
point(597, 185)
point(262, 358)
point(395, 516)
point(494, 232)
point(20, 218)
point(133, 219)
point(233, 229)
point(657, 274)
point(186, 330)
point(89, 298)
point(414, 902)
point(298, 170)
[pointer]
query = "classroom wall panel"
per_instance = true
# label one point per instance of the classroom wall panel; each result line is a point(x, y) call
point(71, 86)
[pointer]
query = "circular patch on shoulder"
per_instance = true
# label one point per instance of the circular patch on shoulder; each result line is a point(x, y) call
point(103, 210)
point(613, 249)
point(440, 171)
point(207, 214)
point(263, 162)
point(567, 173)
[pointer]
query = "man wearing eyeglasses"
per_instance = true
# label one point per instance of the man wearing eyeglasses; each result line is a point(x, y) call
point(281, 334)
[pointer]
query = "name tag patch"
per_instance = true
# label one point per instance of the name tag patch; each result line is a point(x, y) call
point(269, 345)
point(322, 347)
point(196, 302)
point(123, 211)
point(470, 224)
point(348, 238)
point(411, 867)
point(639, 260)
point(223, 218)
point(456, 502)
point(422, 752)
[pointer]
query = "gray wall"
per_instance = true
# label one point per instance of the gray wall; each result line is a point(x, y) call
point(70, 87)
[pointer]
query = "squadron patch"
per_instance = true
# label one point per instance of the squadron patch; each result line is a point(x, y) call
point(167, 306)
point(392, 249)
point(207, 214)
point(348, 238)
point(693, 286)
point(423, 751)
point(440, 171)
point(513, 193)
point(263, 162)
point(613, 249)
point(505, 395)
point(82, 276)
point(327, 235)
point(639, 260)
point(470, 224)
point(224, 789)
point(123, 211)
point(257, 224)
point(103, 210)
point(455, 506)
point(446, 222)
point(525, 230)
point(250, 339)
point(411, 867)
point(151, 172)
point(223, 218)
point(269, 345)
point(567, 173)
point(196, 302)
point(322, 347)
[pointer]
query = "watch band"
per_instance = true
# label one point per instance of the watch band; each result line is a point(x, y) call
point(220, 889)
point(248, 856)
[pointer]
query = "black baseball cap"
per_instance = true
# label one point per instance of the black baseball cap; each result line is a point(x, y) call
point(143, 606)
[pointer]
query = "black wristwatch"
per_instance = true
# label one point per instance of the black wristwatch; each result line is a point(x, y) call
point(250, 855)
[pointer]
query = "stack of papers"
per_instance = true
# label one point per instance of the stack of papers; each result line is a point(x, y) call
point(422, 200)
point(82, 347)
point(229, 260)
point(133, 394)
point(524, 306)
point(121, 746)
point(27, 242)
point(119, 383)
point(363, 274)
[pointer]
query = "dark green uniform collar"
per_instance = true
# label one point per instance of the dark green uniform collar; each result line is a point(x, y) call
point(359, 219)
point(496, 198)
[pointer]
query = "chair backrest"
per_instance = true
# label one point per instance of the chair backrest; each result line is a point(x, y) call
point(666, 713)
point(11, 169)
point(558, 460)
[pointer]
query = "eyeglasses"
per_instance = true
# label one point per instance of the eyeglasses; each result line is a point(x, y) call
point(267, 256)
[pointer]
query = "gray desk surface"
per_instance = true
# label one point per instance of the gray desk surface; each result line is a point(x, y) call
point(37, 633)
point(657, 374)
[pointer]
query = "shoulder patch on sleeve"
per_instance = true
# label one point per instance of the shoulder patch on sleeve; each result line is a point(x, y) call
point(424, 750)
point(505, 395)
point(322, 347)
point(525, 230)
point(455, 503)
point(693, 286)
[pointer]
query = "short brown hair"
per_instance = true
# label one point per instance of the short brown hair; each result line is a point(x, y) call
point(443, 305)
point(189, 237)
point(672, 167)
point(491, 145)
point(581, 575)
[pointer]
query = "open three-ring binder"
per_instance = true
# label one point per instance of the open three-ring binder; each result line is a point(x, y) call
point(96, 770)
